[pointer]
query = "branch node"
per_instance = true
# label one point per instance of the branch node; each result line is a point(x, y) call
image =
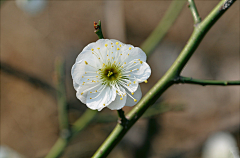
point(123, 121)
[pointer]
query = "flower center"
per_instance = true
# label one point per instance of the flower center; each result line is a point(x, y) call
point(110, 73)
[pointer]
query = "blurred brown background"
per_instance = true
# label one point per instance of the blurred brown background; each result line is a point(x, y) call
point(30, 44)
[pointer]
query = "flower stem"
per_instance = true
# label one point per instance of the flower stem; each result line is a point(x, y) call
point(190, 80)
point(166, 81)
point(163, 26)
point(194, 11)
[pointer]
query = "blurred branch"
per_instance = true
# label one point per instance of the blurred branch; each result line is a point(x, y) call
point(190, 80)
point(61, 97)
point(160, 108)
point(156, 109)
point(194, 12)
point(163, 26)
point(166, 81)
point(83, 121)
point(28, 78)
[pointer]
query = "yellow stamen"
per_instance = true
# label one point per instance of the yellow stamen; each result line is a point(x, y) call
point(130, 48)
point(98, 48)
point(92, 49)
point(86, 62)
point(90, 98)
point(146, 81)
point(121, 98)
point(82, 93)
point(132, 93)
point(106, 45)
point(141, 62)
point(116, 43)
point(117, 48)
point(135, 100)
point(109, 73)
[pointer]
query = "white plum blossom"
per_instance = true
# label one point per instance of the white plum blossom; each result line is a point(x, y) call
point(107, 73)
point(32, 7)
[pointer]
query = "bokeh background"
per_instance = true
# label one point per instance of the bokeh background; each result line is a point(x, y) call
point(31, 40)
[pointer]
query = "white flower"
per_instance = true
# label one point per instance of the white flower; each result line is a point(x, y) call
point(107, 73)
point(220, 145)
point(32, 7)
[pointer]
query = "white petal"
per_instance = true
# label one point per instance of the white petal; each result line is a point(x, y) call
point(78, 73)
point(115, 41)
point(137, 95)
point(131, 86)
point(143, 73)
point(105, 48)
point(80, 89)
point(118, 103)
point(100, 101)
point(86, 51)
point(89, 46)
point(134, 53)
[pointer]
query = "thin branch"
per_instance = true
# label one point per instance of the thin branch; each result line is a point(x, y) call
point(190, 80)
point(166, 81)
point(163, 26)
point(194, 12)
